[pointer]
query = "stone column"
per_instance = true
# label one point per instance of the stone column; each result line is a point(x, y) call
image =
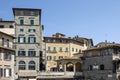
point(74, 67)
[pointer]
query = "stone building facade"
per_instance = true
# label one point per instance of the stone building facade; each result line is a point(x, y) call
point(7, 27)
point(28, 32)
point(6, 57)
point(101, 62)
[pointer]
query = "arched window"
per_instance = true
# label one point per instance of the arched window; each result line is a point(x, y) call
point(22, 65)
point(31, 65)
point(101, 67)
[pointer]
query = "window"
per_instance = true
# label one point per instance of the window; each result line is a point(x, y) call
point(31, 53)
point(2, 41)
point(21, 39)
point(66, 49)
point(31, 65)
point(32, 22)
point(61, 41)
point(72, 49)
point(21, 30)
point(7, 72)
point(76, 50)
point(102, 67)
point(48, 48)
point(54, 48)
point(7, 55)
point(90, 67)
point(21, 53)
point(54, 58)
point(60, 49)
point(49, 57)
point(54, 40)
point(11, 26)
point(60, 57)
point(21, 22)
point(1, 72)
point(31, 30)
point(31, 39)
point(1, 26)
point(7, 42)
point(21, 65)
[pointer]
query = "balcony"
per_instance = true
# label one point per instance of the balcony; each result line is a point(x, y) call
point(45, 75)
point(116, 56)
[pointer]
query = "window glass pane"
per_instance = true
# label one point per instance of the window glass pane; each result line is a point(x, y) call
point(21, 22)
point(32, 22)
point(1, 26)
point(31, 53)
point(11, 26)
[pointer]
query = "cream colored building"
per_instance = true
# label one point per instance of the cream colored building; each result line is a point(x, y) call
point(7, 27)
point(59, 47)
point(6, 57)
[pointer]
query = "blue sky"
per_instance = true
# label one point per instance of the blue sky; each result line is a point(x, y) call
point(96, 19)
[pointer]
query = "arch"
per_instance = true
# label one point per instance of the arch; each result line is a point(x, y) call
point(31, 65)
point(102, 67)
point(22, 65)
point(70, 66)
point(78, 67)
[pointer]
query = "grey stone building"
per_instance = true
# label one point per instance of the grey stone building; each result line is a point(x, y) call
point(28, 33)
point(101, 62)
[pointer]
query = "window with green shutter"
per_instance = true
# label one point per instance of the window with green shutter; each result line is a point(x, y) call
point(66, 49)
point(31, 39)
point(32, 22)
point(48, 48)
point(54, 48)
point(60, 49)
point(21, 39)
point(32, 53)
point(21, 22)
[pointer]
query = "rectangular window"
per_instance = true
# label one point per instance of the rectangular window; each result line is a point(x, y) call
point(49, 57)
point(72, 49)
point(7, 55)
point(60, 57)
point(31, 30)
point(7, 72)
point(32, 53)
point(48, 48)
point(76, 50)
point(21, 22)
point(21, 53)
point(7, 43)
point(31, 39)
point(21, 39)
point(1, 26)
point(60, 49)
point(54, 58)
point(1, 72)
point(11, 26)
point(54, 48)
point(32, 22)
point(21, 30)
point(66, 49)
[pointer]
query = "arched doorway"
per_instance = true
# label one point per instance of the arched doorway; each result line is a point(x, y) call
point(70, 67)
point(78, 67)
